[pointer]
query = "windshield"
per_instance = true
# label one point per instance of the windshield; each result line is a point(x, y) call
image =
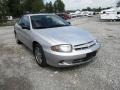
point(47, 21)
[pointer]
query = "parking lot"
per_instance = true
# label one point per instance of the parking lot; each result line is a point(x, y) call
point(19, 70)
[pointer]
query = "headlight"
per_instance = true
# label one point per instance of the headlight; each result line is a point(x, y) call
point(62, 48)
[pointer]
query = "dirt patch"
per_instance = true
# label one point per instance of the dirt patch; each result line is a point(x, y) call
point(16, 83)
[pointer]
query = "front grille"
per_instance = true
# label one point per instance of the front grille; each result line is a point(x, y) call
point(85, 45)
point(88, 56)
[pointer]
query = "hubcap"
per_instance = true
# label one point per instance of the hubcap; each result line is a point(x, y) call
point(38, 55)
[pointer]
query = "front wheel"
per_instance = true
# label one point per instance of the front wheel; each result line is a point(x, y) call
point(39, 55)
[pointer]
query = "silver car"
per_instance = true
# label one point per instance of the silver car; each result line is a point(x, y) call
point(54, 41)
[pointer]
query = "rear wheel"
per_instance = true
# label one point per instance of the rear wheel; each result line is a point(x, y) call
point(39, 55)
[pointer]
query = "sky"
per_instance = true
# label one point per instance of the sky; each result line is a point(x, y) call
point(79, 4)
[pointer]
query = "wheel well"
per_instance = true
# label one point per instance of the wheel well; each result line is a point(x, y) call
point(14, 32)
point(35, 43)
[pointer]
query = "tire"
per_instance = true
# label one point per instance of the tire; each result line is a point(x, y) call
point(39, 55)
point(17, 41)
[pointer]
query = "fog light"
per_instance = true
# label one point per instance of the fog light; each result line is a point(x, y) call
point(61, 62)
point(64, 63)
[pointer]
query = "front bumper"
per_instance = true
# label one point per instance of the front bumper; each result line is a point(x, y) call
point(58, 59)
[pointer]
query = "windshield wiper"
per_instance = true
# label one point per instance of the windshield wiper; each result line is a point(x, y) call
point(58, 26)
point(50, 26)
point(40, 27)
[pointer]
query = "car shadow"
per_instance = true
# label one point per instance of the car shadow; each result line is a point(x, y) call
point(62, 69)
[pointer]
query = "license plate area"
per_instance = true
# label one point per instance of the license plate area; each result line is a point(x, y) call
point(88, 56)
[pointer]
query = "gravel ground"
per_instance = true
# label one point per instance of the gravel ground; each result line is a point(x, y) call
point(19, 71)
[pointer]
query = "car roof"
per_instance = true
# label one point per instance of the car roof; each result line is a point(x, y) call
point(39, 14)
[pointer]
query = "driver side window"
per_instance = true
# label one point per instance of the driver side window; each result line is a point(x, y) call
point(24, 21)
point(21, 21)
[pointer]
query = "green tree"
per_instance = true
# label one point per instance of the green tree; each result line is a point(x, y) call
point(55, 6)
point(37, 6)
point(118, 4)
point(88, 9)
point(3, 8)
point(0, 8)
point(28, 5)
point(93, 9)
point(99, 9)
point(14, 7)
point(59, 6)
point(33, 5)
point(49, 7)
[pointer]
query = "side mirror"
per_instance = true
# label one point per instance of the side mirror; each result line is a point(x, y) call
point(69, 23)
point(25, 26)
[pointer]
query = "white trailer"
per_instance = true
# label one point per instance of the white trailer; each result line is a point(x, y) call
point(9, 18)
point(75, 14)
point(87, 13)
point(90, 13)
point(110, 14)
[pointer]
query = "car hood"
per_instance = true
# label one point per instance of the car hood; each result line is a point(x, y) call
point(65, 35)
